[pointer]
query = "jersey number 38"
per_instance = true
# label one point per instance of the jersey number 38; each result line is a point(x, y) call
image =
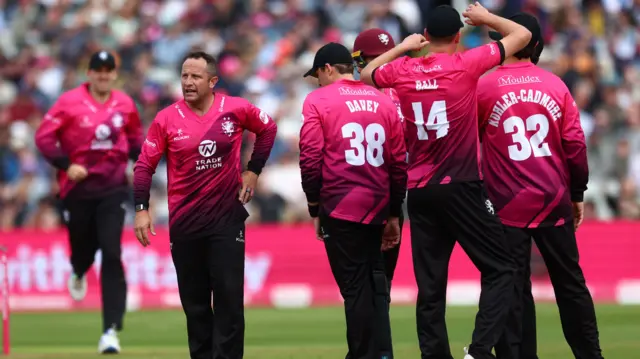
point(366, 144)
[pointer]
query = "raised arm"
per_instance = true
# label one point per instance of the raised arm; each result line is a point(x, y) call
point(516, 36)
point(311, 155)
point(47, 140)
point(381, 72)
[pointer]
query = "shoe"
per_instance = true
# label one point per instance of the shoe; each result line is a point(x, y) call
point(467, 355)
point(109, 343)
point(77, 287)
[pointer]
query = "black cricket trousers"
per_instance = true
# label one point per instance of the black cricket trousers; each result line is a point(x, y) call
point(206, 266)
point(97, 224)
point(559, 250)
point(439, 216)
point(353, 250)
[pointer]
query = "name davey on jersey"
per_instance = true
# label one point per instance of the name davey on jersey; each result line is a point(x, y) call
point(362, 105)
point(524, 96)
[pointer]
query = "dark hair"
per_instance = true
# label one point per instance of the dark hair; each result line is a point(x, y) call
point(344, 68)
point(212, 64)
point(442, 40)
point(525, 53)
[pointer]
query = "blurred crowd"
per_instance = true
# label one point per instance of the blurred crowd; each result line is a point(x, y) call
point(264, 47)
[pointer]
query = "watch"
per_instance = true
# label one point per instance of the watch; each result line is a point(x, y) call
point(140, 207)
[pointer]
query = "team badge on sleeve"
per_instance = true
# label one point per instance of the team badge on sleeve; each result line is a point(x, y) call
point(263, 117)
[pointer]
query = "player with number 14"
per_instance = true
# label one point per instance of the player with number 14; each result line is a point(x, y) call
point(446, 201)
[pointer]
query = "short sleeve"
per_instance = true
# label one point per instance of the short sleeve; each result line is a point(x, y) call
point(386, 75)
point(483, 58)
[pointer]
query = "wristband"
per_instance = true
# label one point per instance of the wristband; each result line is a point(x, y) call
point(313, 210)
point(141, 207)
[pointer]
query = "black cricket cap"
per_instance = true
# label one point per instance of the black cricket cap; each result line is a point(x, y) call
point(531, 23)
point(332, 54)
point(102, 60)
point(443, 21)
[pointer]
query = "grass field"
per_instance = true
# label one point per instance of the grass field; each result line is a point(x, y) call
point(292, 334)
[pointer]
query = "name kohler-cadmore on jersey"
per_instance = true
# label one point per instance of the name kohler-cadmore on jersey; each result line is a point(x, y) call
point(203, 162)
point(533, 148)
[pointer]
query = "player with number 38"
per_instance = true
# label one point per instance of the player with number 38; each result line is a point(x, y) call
point(354, 174)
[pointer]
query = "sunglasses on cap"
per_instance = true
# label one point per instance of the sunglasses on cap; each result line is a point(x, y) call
point(358, 59)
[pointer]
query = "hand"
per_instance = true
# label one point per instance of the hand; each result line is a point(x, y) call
point(414, 42)
point(77, 172)
point(319, 231)
point(391, 235)
point(143, 225)
point(476, 14)
point(249, 181)
point(578, 214)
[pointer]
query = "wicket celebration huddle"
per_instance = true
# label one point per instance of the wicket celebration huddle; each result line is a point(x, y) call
point(486, 146)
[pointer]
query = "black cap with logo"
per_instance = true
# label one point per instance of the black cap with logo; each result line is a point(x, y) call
point(531, 23)
point(443, 21)
point(102, 60)
point(330, 54)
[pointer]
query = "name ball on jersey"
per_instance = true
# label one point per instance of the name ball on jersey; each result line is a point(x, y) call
point(362, 105)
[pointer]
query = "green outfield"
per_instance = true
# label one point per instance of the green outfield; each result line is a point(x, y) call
point(292, 334)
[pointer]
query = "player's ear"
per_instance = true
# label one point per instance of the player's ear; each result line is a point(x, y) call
point(456, 40)
point(328, 69)
point(213, 81)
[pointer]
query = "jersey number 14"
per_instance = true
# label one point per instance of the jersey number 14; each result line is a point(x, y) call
point(436, 119)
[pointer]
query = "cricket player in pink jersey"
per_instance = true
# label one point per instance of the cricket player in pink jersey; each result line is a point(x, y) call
point(368, 45)
point(89, 135)
point(535, 164)
point(352, 161)
point(201, 136)
point(447, 202)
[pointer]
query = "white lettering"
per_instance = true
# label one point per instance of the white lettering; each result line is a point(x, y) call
point(348, 91)
point(209, 163)
point(524, 95)
point(47, 269)
point(102, 145)
point(362, 105)
point(149, 143)
point(426, 85)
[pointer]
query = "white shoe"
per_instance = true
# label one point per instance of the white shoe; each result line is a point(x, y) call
point(466, 352)
point(77, 287)
point(109, 343)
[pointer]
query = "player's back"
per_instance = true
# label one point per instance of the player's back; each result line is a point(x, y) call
point(358, 126)
point(528, 119)
point(438, 100)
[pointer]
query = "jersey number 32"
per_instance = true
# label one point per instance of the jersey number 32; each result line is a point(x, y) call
point(366, 144)
point(524, 146)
